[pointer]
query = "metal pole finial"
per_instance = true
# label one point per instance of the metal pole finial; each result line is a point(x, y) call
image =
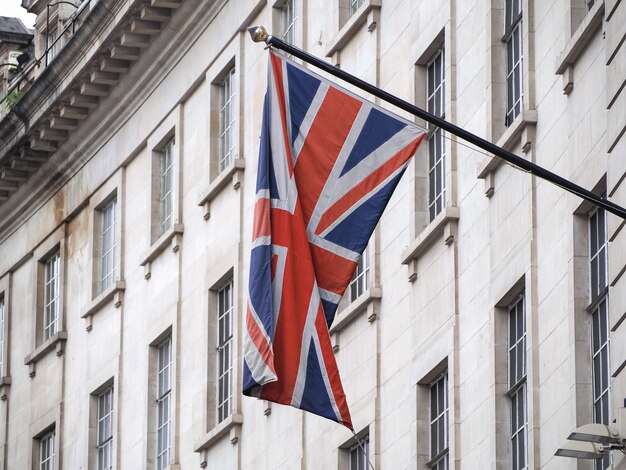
point(258, 33)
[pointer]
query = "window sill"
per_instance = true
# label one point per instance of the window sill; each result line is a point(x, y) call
point(228, 426)
point(442, 225)
point(56, 341)
point(173, 236)
point(115, 293)
point(361, 304)
point(353, 24)
point(521, 131)
point(578, 42)
point(232, 173)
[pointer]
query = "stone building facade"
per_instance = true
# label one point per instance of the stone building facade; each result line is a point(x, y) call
point(485, 321)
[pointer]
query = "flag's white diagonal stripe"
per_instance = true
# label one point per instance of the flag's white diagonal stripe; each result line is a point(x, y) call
point(287, 108)
point(329, 296)
point(371, 163)
point(277, 143)
point(334, 248)
point(277, 282)
point(322, 366)
point(318, 99)
point(323, 202)
point(263, 240)
point(358, 203)
point(307, 334)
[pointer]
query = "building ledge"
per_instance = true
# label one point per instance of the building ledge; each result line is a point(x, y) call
point(235, 420)
point(440, 226)
point(5, 385)
point(581, 37)
point(172, 236)
point(522, 132)
point(355, 308)
point(114, 293)
point(56, 341)
point(233, 173)
point(353, 24)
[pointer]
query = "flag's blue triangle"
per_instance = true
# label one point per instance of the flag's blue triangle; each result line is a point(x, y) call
point(329, 311)
point(355, 230)
point(378, 129)
point(315, 396)
point(302, 90)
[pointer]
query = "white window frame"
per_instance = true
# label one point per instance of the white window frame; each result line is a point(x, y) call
point(52, 294)
point(47, 454)
point(353, 6)
point(104, 433)
point(361, 280)
point(164, 404)
point(438, 423)
point(225, 345)
point(600, 325)
point(227, 119)
point(514, 44)
point(435, 103)
point(107, 227)
point(357, 458)
point(517, 393)
point(288, 21)
point(167, 185)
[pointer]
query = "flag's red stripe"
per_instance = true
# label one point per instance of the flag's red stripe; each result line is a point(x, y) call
point(277, 67)
point(367, 185)
point(259, 340)
point(322, 145)
point(331, 368)
point(298, 281)
point(335, 279)
point(261, 224)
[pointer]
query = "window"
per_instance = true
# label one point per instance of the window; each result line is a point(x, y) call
point(360, 454)
point(361, 280)
point(52, 281)
point(354, 5)
point(227, 119)
point(108, 244)
point(104, 441)
point(517, 383)
point(439, 423)
point(2, 328)
point(224, 351)
point(288, 21)
point(514, 57)
point(436, 145)
point(53, 44)
point(46, 451)
point(167, 161)
point(599, 310)
point(164, 392)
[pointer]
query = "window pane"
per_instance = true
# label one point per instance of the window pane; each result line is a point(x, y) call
point(435, 94)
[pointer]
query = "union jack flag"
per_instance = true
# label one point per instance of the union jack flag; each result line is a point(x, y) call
point(328, 164)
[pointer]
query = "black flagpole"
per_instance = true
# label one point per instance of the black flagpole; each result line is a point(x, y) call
point(259, 34)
